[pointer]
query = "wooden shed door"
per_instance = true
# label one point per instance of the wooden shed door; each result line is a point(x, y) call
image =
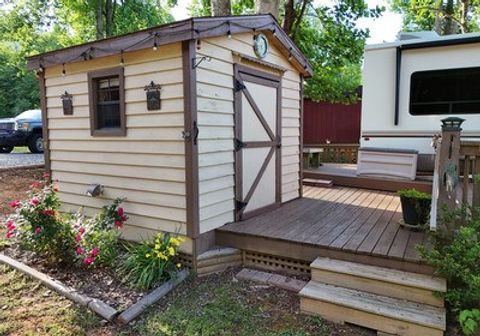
point(257, 142)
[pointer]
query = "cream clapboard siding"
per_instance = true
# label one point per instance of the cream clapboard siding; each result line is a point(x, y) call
point(215, 104)
point(147, 166)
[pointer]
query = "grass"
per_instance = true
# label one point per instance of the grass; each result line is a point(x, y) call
point(21, 150)
point(212, 306)
point(28, 308)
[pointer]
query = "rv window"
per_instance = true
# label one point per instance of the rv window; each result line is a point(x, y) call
point(107, 108)
point(452, 91)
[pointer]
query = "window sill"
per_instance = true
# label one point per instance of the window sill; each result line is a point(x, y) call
point(106, 132)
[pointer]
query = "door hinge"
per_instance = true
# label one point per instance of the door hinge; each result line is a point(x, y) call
point(239, 144)
point(239, 85)
point(239, 205)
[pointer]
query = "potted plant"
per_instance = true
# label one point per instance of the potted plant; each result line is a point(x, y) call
point(415, 206)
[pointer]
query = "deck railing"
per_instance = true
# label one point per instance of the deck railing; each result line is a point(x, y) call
point(470, 162)
point(337, 153)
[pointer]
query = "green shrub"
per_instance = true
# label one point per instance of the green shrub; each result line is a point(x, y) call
point(38, 226)
point(470, 321)
point(152, 261)
point(414, 193)
point(455, 255)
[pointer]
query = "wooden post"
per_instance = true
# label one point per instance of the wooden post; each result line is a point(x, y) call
point(448, 163)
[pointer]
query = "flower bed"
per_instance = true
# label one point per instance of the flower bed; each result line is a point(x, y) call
point(87, 253)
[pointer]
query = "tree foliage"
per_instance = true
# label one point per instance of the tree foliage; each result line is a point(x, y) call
point(444, 17)
point(326, 34)
point(35, 26)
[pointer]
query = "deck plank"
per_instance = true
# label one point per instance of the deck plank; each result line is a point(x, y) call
point(341, 219)
point(355, 240)
point(308, 220)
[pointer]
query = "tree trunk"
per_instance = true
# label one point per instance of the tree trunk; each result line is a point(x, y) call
point(99, 19)
point(221, 8)
point(450, 25)
point(267, 6)
point(464, 8)
point(108, 18)
point(438, 18)
point(289, 17)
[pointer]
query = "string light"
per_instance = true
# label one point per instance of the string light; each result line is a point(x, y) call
point(155, 45)
point(88, 54)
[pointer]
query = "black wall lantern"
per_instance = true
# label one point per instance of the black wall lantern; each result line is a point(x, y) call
point(67, 103)
point(452, 124)
point(153, 96)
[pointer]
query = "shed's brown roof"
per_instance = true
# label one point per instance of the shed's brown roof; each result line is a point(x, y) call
point(193, 28)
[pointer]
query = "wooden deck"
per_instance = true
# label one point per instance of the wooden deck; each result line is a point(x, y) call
point(344, 174)
point(340, 222)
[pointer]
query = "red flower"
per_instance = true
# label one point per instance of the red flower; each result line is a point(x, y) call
point(9, 235)
point(120, 212)
point(14, 204)
point(35, 185)
point(118, 224)
point(38, 229)
point(88, 260)
point(10, 224)
point(49, 212)
point(46, 175)
point(81, 230)
point(94, 252)
point(78, 238)
point(34, 202)
point(79, 250)
point(124, 218)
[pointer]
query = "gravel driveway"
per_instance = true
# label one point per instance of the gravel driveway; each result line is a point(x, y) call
point(13, 160)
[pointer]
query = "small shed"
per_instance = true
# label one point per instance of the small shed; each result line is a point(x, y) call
point(196, 123)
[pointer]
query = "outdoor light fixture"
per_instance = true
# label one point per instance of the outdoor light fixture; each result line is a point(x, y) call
point(153, 96)
point(452, 124)
point(67, 103)
point(95, 190)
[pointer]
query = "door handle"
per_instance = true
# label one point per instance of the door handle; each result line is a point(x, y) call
point(195, 132)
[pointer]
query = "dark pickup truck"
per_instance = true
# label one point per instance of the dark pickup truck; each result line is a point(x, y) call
point(23, 130)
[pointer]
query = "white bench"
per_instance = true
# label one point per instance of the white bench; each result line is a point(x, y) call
point(387, 162)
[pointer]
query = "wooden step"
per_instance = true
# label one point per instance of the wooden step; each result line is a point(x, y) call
point(398, 284)
point(389, 315)
point(317, 182)
point(218, 260)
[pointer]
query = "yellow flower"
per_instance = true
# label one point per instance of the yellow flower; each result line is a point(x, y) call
point(157, 246)
point(179, 265)
point(148, 255)
point(171, 251)
point(162, 256)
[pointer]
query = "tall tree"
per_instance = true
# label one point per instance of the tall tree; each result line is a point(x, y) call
point(221, 8)
point(444, 17)
point(326, 34)
point(267, 7)
point(34, 26)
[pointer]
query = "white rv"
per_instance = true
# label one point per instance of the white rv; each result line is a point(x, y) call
point(411, 84)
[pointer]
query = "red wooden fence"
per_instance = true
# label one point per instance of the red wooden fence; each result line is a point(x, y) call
point(337, 123)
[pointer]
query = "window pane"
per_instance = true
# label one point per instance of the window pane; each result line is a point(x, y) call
point(108, 103)
point(451, 91)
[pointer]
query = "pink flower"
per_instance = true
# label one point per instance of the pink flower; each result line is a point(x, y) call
point(35, 185)
point(88, 260)
point(10, 224)
point(120, 212)
point(49, 212)
point(38, 229)
point(46, 175)
point(118, 224)
point(94, 252)
point(78, 238)
point(10, 228)
point(81, 230)
point(124, 218)
point(9, 235)
point(79, 250)
point(34, 202)
point(14, 204)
